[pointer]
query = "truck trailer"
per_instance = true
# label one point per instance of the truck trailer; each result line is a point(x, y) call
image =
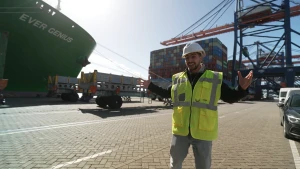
point(109, 89)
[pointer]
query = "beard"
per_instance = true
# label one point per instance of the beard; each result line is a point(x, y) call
point(192, 66)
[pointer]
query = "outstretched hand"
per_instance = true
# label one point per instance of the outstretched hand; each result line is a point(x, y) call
point(245, 82)
point(145, 84)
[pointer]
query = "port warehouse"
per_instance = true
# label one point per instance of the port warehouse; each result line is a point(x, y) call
point(168, 61)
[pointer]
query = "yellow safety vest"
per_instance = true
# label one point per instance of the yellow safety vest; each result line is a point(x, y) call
point(201, 104)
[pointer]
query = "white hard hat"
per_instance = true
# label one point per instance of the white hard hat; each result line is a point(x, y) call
point(191, 48)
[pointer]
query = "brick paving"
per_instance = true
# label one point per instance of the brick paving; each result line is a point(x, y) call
point(85, 136)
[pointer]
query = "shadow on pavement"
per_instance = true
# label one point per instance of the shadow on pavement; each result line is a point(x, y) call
point(295, 139)
point(126, 111)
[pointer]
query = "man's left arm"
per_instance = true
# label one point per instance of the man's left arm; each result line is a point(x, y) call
point(232, 95)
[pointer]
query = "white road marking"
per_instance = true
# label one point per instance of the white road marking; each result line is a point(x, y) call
point(295, 154)
point(50, 126)
point(25, 130)
point(102, 153)
point(110, 151)
point(81, 159)
point(7, 132)
point(29, 114)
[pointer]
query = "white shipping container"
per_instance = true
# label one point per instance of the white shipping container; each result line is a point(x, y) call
point(103, 77)
point(135, 81)
point(127, 80)
point(254, 11)
point(219, 62)
point(62, 79)
point(73, 80)
point(250, 66)
point(115, 78)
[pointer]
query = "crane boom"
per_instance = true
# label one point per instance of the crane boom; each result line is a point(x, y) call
point(294, 11)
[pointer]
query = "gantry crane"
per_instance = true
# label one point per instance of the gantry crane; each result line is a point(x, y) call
point(295, 11)
point(258, 16)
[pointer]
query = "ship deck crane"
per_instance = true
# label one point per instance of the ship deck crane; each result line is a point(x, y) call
point(58, 5)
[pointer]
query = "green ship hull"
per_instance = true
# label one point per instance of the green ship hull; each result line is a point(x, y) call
point(38, 41)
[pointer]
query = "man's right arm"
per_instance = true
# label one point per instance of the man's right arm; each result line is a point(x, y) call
point(165, 93)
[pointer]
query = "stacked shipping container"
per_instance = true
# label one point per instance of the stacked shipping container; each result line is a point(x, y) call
point(229, 63)
point(168, 61)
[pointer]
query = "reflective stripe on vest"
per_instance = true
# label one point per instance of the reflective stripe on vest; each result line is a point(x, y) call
point(215, 81)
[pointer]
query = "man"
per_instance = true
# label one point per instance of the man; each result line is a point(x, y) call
point(195, 94)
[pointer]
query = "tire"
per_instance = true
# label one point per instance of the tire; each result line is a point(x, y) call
point(101, 102)
point(115, 102)
point(285, 133)
point(64, 96)
point(73, 97)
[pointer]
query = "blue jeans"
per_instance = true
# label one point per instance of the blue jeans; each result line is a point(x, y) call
point(179, 150)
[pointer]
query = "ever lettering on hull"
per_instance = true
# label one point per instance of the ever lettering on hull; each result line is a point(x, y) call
point(36, 23)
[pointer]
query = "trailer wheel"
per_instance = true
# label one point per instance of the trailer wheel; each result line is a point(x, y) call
point(64, 96)
point(73, 97)
point(115, 102)
point(101, 102)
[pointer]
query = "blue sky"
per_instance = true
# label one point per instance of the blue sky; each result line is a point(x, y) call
point(134, 28)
